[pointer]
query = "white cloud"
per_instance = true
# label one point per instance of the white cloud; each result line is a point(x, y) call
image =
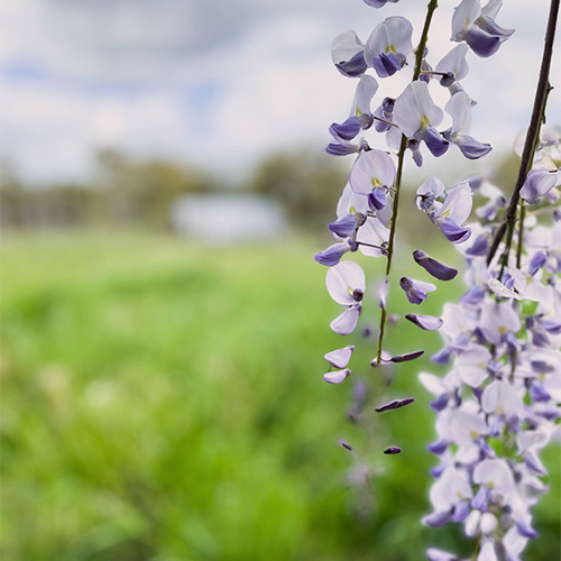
point(216, 82)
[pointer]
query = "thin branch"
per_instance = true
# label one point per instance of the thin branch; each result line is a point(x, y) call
point(532, 136)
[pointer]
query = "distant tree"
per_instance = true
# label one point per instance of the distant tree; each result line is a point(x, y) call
point(307, 185)
point(143, 191)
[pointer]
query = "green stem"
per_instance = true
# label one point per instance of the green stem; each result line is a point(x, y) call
point(520, 234)
point(522, 206)
point(431, 7)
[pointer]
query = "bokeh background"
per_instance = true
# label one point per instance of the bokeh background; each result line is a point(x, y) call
point(163, 327)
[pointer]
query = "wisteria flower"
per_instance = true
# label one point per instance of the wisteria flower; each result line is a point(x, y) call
point(476, 26)
point(417, 116)
point(459, 108)
point(388, 46)
point(347, 53)
point(360, 115)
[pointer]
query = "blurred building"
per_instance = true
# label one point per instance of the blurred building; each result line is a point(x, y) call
point(228, 219)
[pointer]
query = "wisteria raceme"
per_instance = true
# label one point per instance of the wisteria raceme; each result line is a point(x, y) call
point(498, 405)
point(368, 207)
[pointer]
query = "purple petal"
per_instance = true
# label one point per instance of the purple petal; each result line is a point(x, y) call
point(440, 402)
point(416, 291)
point(537, 262)
point(395, 404)
point(438, 447)
point(337, 376)
point(481, 43)
point(340, 147)
point(437, 519)
point(435, 143)
point(332, 255)
point(481, 499)
point(392, 450)
point(407, 357)
point(348, 129)
point(525, 529)
point(353, 67)
point(346, 225)
point(428, 323)
point(471, 148)
point(345, 445)
point(461, 511)
point(377, 199)
point(453, 231)
point(552, 326)
point(480, 247)
point(473, 296)
point(434, 267)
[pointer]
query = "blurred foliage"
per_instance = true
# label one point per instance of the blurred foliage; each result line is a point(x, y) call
point(124, 192)
point(164, 402)
point(308, 185)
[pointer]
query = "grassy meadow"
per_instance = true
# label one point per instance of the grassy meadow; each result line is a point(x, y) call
point(163, 401)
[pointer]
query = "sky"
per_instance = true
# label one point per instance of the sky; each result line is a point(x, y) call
point(217, 83)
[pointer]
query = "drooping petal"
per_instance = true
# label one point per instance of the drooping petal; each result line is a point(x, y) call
point(453, 231)
point(415, 290)
point(433, 267)
point(347, 53)
point(435, 142)
point(471, 148)
point(346, 130)
point(454, 65)
point(332, 255)
point(395, 404)
point(347, 225)
point(428, 323)
point(538, 183)
point(346, 322)
point(337, 376)
point(340, 357)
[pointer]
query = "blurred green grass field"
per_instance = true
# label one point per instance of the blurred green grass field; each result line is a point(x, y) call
point(164, 402)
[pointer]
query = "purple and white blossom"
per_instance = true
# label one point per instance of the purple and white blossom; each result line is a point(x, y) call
point(497, 405)
point(417, 115)
point(477, 27)
point(389, 44)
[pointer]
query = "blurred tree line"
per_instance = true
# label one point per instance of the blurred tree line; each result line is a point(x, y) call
point(125, 192)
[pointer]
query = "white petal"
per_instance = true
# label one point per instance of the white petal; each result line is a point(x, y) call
point(459, 108)
point(455, 63)
point(337, 377)
point(343, 279)
point(345, 47)
point(365, 90)
point(457, 205)
point(372, 169)
point(432, 383)
point(464, 16)
point(414, 109)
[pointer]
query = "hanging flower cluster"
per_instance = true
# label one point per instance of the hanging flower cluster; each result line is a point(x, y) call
point(368, 208)
point(497, 406)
